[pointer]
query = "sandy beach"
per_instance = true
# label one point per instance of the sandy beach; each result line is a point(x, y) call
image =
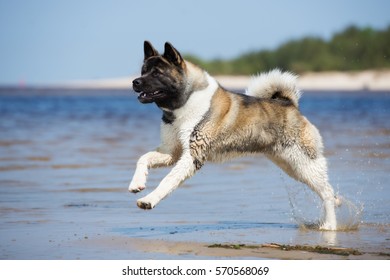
point(349, 81)
point(234, 251)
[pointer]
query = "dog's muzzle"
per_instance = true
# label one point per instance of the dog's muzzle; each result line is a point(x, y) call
point(137, 84)
point(146, 95)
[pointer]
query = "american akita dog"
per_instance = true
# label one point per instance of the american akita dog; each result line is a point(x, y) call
point(202, 121)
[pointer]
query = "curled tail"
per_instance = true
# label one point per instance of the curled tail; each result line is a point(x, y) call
point(275, 84)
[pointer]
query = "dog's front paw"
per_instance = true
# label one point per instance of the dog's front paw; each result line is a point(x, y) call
point(145, 204)
point(135, 188)
point(137, 184)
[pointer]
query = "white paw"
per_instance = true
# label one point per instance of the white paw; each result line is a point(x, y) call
point(135, 188)
point(138, 182)
point(145, 203)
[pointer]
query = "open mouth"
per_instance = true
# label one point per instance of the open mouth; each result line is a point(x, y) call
point(146, 97)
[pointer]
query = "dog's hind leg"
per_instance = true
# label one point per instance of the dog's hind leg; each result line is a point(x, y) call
point(312, 172)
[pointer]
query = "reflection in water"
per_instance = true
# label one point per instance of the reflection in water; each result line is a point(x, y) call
point(329, 238)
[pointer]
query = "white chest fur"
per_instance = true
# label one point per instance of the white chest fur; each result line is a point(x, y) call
point(188, 116)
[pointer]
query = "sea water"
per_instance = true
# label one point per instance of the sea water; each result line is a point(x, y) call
point(67, 157)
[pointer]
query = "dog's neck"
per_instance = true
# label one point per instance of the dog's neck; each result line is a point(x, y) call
point(200, 87)
point(197, 105)
point(199, 101)
point(196, 78)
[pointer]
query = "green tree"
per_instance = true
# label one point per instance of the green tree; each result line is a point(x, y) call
point(351, 49)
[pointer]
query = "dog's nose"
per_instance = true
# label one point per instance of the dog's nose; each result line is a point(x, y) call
point(137, 82)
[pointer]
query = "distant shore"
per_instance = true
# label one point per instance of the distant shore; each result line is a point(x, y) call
point(374, 80)
point(363, 80)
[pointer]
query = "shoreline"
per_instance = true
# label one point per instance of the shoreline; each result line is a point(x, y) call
point(192, 249)
point(374, 80)
point(370, 80)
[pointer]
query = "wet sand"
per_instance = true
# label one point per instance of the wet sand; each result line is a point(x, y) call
point(188, 249)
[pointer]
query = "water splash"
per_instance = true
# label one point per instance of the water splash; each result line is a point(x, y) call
point(309, 212)
point(349, 214)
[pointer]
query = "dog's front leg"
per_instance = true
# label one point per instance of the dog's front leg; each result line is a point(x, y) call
point(148, 160)
point(184, 169)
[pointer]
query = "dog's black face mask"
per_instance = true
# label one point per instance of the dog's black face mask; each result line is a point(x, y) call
point(163, 78)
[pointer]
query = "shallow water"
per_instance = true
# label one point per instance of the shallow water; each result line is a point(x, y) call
point(66, 159)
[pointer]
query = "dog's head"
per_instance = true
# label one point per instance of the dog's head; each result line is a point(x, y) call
point(163, 79)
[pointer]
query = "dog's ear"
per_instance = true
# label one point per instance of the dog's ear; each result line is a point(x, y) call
point(149, 50)
point(172, 55)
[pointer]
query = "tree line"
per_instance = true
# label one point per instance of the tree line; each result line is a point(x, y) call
point(352, 49)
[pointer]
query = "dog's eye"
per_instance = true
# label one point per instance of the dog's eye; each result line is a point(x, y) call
point(155, 73)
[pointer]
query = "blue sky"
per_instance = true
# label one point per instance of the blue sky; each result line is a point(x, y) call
point(49, 41)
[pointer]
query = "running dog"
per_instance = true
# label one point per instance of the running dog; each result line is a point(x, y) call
point(201, 121)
